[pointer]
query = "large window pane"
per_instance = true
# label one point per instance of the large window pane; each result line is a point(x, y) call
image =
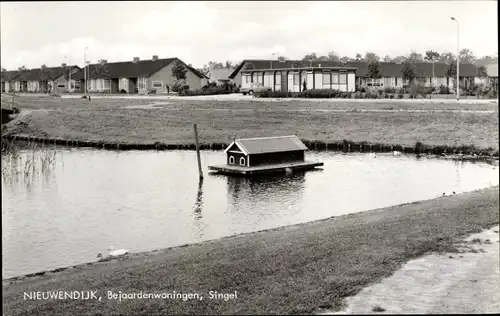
point(335, 78)
point(326, 78)
point(342, 78)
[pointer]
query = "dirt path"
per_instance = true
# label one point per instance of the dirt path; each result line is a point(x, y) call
point(466, 282)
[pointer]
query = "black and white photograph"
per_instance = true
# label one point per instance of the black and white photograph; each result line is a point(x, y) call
point(249, 157)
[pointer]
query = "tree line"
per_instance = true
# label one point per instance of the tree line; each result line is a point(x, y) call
point(466, 56)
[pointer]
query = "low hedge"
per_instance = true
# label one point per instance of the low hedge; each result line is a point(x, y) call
point(206, 91)
point(373, 94)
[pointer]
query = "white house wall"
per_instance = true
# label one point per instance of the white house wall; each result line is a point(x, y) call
point(290, 82)
point(351, 82)
point(164, 75)
point(318, 80)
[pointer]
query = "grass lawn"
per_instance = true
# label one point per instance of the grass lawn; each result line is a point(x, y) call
point(170, 121)
point(295, 269)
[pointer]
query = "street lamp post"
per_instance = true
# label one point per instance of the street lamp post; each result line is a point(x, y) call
point(458, 60)
point(85, 69)
point(68, 68)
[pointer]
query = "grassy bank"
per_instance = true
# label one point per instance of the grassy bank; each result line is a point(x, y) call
point(170, 121)
point(295, 269)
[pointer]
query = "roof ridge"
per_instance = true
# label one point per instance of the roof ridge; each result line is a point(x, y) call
point(267, 137)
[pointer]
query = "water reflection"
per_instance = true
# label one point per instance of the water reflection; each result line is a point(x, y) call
point(257, 186)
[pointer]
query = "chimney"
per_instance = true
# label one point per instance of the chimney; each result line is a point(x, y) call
point(136, 60)
point(319, 65)
point(63, 65)
point(155, 57)
point(104, 61)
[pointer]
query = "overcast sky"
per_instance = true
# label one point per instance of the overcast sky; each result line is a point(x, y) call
point(39, 33)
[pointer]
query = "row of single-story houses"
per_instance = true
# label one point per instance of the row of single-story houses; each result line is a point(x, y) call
point(294, 75)
point(136, 76)
point(39, 79)
point(140, 76)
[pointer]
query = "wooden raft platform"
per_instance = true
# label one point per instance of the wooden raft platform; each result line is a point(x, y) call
point(264, 169)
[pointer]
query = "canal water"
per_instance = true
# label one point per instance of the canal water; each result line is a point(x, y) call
point(64, 212)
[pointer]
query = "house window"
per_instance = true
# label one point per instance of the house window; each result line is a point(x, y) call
point(142, 83)
point(342, 78)
point(258, 77)
point(248, 78)
point(231, 160)
point(61, 85)
point(277, 81)
point(296, 79)
point(242, 161)
point(326, 80)
point(106, 84)
point(393, 81)
point(157, 84)
point(335, 78)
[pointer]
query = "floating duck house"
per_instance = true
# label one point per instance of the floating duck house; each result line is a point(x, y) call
point(252, 156)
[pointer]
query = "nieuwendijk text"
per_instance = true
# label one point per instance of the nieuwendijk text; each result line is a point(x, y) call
point(61, 295)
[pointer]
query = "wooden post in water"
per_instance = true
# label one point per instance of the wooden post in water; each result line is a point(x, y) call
point(198, 151)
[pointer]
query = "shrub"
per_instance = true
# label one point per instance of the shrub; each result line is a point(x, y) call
point(123, 91)
point(362, 89)
point(391, 96)
point(493, 94)
point(205, 91)
point(400, 96)
point(390, 90)
point(179, 85)
point(320, 93)
point(444, 89)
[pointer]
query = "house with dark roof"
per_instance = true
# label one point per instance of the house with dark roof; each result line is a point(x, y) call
point(220, 75)
point(48, 79)
point(391, 74)
point(136, 76)
point(492, 71)
point(8, 80)
point(294, 76)
point(428, 73)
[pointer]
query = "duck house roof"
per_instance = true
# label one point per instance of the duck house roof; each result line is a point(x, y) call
point(260, 145)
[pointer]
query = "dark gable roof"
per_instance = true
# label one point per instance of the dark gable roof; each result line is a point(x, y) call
point(129, 69)
point(197, 72)
point(10, 75)
point(53, 73)
point(386, 69)
point(261, 145)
